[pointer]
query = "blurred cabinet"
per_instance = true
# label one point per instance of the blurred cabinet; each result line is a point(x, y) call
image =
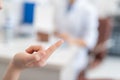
point(28, 13)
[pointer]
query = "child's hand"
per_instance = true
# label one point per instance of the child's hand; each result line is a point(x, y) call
point(35, 56)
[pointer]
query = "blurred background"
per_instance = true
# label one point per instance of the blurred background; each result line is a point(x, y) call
point(93, 24)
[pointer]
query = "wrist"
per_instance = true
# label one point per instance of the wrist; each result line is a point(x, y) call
point(13, 67)
point(12, 72)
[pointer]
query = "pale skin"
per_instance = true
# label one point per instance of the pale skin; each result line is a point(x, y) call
point(34, 56)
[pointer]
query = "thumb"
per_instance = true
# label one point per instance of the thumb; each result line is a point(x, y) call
point(33, 58)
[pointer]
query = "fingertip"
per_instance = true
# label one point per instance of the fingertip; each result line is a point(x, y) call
point(59, 43)
point(27, 50)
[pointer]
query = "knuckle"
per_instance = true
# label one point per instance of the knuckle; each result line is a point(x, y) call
point(43, 53)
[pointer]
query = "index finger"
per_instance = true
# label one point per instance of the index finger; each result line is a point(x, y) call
point(52, 48)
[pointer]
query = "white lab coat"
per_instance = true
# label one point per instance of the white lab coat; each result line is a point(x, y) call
point(81, 22)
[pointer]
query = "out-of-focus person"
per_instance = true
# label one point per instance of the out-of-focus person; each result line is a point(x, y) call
point(76, 21)
point(106, 12)
point(100, 51)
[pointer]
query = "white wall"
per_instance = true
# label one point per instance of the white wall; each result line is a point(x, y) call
point(44, 12)
point(10, 8)
point(106, 7)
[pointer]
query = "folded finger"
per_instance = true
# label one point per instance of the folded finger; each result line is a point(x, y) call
point(35, 48)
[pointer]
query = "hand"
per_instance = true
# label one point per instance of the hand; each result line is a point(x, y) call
point(35, 56)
